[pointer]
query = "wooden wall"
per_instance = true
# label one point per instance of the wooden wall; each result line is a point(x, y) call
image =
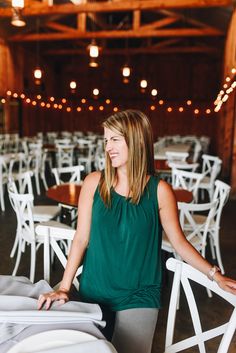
point(177, 78)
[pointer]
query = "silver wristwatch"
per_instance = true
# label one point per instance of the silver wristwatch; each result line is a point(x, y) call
point(212, 272)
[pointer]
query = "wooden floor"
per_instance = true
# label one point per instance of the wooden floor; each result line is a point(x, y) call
point(211, 308)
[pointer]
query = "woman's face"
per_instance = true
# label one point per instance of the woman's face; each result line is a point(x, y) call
point(116, 147)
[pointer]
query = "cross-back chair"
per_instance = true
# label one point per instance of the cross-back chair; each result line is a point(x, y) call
point(184, 276)
point(22, 205)
point(186, 180)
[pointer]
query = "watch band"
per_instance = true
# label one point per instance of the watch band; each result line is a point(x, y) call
point(212, 272)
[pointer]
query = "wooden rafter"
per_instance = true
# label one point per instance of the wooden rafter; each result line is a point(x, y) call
point(42, 9)
point(135, 51)
point(139, 33)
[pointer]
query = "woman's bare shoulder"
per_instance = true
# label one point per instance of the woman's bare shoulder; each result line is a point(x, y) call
point(91, 180)
point(165, 193)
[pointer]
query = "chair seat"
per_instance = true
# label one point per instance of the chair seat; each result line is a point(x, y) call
point(45, 213)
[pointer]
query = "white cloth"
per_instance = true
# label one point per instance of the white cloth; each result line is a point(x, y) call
point(19, 316)
point(100, 346)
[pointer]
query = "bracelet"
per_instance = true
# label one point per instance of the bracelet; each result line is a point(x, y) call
point(212, 272)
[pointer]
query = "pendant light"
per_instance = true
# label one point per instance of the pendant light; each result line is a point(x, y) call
point(17, 19)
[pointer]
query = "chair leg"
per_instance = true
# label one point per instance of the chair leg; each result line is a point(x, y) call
point(2, 198)
point(16, 242)
point(32, 262)
point(218, 254)
point(36, 176)
point(44, 180)
point(18, 258)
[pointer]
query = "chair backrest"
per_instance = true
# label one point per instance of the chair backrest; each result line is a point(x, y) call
point(22, 183)
point(18, 164)
point(173, 156)
point(65, 154)
point(196, 151)
point(22, 205)
point(221, 193)
point(54, 234)
point(186, 180)
point(68, 174)
point(195, 232)
point(184, 275)
point(211, 166)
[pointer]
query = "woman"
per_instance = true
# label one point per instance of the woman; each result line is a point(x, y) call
point(121, 213)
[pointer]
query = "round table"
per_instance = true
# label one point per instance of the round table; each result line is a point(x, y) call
point(68, 194)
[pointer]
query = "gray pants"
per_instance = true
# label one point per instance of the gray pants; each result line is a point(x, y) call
point(134, 330)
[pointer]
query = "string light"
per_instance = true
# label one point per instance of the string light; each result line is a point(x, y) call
point(154, 92)
point(152, 107)
point(224, 93)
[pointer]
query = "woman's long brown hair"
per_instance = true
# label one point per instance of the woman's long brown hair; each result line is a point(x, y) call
point(137, 131)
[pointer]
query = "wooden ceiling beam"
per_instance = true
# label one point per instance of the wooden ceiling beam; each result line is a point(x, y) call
point(135, 51)
point(177, 32)
point(161, 23)
point(59, 27)
point(42, 9)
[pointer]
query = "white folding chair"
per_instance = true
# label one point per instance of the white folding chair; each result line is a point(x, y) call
point(186, 180)
point(22, 205)
point(185, 275)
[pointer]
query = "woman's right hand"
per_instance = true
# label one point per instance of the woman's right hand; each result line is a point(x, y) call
point(61, 295)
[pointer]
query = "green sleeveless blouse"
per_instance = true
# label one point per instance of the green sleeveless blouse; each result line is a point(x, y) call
point(122, 264)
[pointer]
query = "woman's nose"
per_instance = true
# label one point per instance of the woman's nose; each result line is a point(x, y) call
point(108, 146)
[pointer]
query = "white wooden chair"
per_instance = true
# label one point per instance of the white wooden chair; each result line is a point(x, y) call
point(221, 195)
point(211, 168)
point(186, 180)
point(65, 155)
point(196, 233)
point(41, 213)
point(68, 174)
point(22, 205)
point(185, 275)
point(53, 234)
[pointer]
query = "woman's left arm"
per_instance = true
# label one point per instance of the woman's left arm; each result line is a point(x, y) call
point(169, 218)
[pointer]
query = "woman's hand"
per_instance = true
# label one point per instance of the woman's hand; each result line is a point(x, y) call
point(61, 295)
point(225, 283)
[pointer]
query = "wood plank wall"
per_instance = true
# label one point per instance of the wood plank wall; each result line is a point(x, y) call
point(177, 78)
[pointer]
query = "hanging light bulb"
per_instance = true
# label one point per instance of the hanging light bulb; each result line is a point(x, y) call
point(93, 53)
point(17, 19)
point(95, 92)
point(38, 73)
point(73, 85)
point(126, 71)
point(93, 49)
